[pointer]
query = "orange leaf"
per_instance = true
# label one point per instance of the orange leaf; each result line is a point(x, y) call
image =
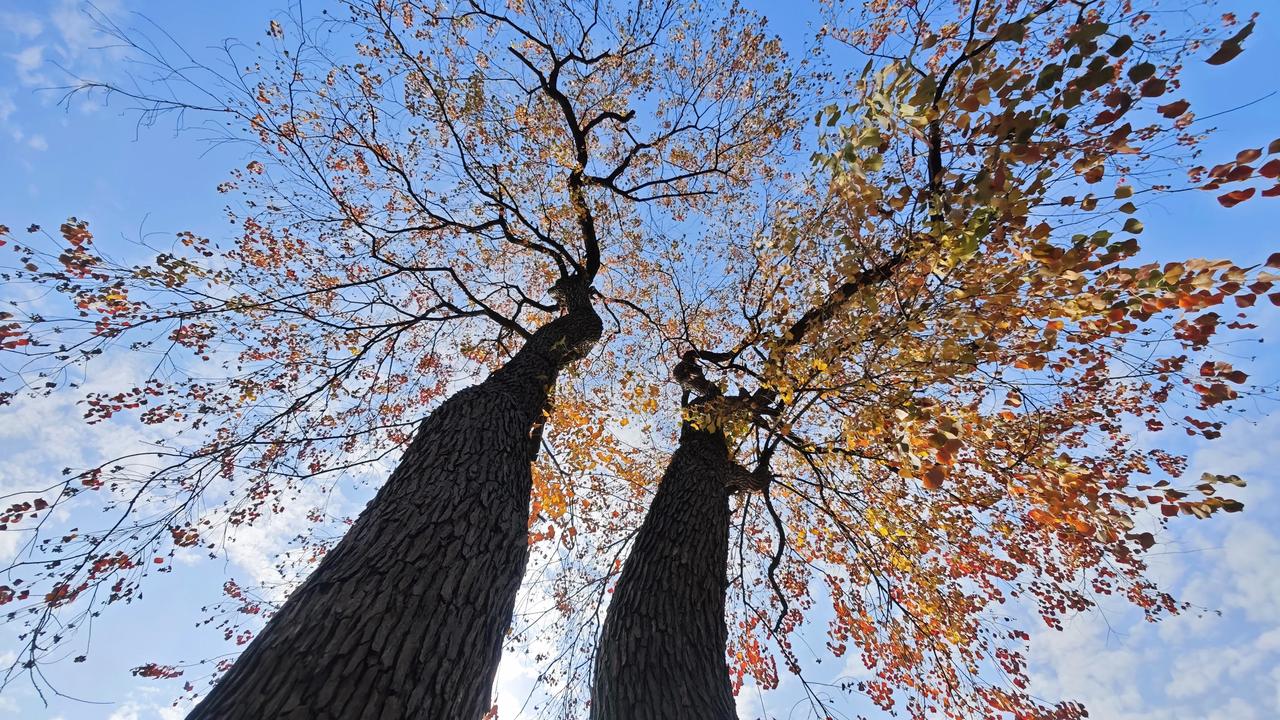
point(1248, 156)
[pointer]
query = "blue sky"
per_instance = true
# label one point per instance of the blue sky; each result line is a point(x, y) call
point(97, 164)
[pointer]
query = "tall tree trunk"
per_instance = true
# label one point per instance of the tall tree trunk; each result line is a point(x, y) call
point(662, 650)
point(405, 618)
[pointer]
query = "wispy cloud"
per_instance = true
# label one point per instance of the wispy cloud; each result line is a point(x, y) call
point(70, 39)
point(1196, 664)
point(29, 64)
point(24, 25)
point(78, 33)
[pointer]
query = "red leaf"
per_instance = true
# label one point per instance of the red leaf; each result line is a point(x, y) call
point(933, 477)
point(1173, 109)
point(1230, 47)
point(1239, 173)
point(1235, 197)
point(1153, 88)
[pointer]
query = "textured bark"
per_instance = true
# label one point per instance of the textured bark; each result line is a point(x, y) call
point(662, 650)
point(405, 617)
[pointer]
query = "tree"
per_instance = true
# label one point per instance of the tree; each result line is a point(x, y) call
point(458, 188)
point(925, 350)
point(945, 421)
point(662, 648)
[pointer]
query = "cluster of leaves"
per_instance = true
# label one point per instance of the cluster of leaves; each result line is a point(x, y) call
point(944, 320)
point(960, 433)
point(958, 343)
point(401, 222)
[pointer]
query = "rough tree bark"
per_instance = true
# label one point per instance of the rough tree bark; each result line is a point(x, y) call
point(661, 654)
point(405, 617)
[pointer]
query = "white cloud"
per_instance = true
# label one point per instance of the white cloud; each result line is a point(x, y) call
point(515, 679)
point(1201, 664)
point(8, 705)
point(75, 29)
point(28, 63)
point(753, 703)
point(1249, 566)
point(40, 436)
point(81, 39)
point(37, 142)
point(1247, 449)
point(128, 711)
point(23, 25)
point(9, 544)
point(135, 710)
point(1086, 662)
point(73, 39)
point(6, 106)
point(257, 548)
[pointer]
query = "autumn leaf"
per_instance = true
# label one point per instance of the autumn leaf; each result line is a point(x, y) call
point(1235, 197)
point(933, 477)
point(1231, 47)
point(1173, 109)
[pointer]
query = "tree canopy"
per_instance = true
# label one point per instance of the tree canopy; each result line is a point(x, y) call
point(898, 270)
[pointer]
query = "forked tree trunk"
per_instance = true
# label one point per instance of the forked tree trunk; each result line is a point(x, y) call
point(405, 618)
point(662, 650)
